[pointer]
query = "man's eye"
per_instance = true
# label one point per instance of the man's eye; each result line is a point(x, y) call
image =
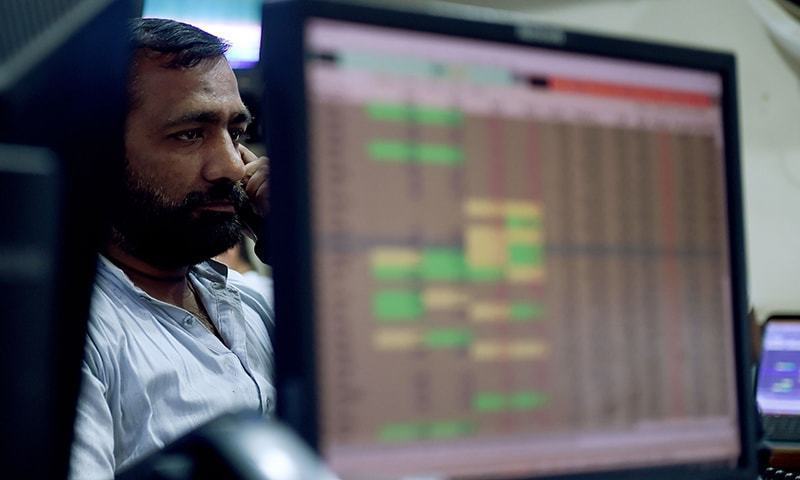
point(188, 135)
point(238, 134)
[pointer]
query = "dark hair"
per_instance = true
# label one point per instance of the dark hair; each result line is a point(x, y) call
point(182, 45)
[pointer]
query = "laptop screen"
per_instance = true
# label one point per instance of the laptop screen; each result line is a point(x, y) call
point(778, 390)
point(521, 260)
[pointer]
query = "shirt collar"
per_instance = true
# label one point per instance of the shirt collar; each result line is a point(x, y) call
point(210, 269)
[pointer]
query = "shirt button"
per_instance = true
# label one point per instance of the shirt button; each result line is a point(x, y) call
point(189, 321)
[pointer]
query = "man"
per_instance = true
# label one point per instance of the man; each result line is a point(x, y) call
point(174, 339)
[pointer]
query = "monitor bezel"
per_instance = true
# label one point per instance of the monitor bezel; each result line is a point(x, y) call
point(286, 135)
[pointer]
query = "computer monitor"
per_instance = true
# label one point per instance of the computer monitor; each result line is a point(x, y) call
point(62, 107)
point(504, 250)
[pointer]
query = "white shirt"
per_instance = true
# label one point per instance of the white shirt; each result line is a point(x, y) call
point(153, 372)
point(261, 283)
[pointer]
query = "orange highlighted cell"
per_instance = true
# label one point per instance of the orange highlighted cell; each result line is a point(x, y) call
point(645, 94)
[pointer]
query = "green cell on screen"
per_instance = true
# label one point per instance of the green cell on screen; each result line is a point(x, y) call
point(484, 274)
point(396, 112)
point(438, 154)
point(390, 151)
point(397, 305)
point(447, 338)
point(489, 402)
point(437, 116)
point(408, 152)
point(523, 311)
point(391, 112)
point(523, 223)
point(527, 400)
point(401, 432)
point(442, 264)
point(525, 254)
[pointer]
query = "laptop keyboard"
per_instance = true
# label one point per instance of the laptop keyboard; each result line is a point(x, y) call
point(782, 427)
point(778, 474)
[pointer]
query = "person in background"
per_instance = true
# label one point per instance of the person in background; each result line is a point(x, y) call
point(174, 338)
point(237, 257)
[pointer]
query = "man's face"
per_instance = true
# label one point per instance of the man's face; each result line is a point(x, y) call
point(183, 166)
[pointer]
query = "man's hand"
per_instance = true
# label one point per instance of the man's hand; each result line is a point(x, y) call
point(256, 185)
point(256, 174)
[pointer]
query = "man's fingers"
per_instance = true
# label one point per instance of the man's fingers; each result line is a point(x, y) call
point(252, 187)
point(248, 157)
point(255, 173)
point(260, 164)
point(255, 178)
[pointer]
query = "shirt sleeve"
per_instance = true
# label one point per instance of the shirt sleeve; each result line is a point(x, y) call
point(92, 456)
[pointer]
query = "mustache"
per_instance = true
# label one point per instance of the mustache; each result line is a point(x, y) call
point(221, 192)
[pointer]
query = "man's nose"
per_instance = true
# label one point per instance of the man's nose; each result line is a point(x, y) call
point(223, 160)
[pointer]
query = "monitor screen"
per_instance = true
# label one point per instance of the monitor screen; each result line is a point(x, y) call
point(778, 390)
point(237, 21)
point(521, 260)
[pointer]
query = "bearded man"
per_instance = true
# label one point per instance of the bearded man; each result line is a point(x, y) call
point(174, 339)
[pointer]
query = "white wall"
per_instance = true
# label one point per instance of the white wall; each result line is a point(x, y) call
point(769, 107)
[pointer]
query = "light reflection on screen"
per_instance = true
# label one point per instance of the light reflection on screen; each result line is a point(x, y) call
point(236, 21)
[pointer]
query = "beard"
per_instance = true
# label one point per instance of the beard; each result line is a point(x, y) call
point(168, 234)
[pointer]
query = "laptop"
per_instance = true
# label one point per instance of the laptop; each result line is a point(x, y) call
point(778, 385)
